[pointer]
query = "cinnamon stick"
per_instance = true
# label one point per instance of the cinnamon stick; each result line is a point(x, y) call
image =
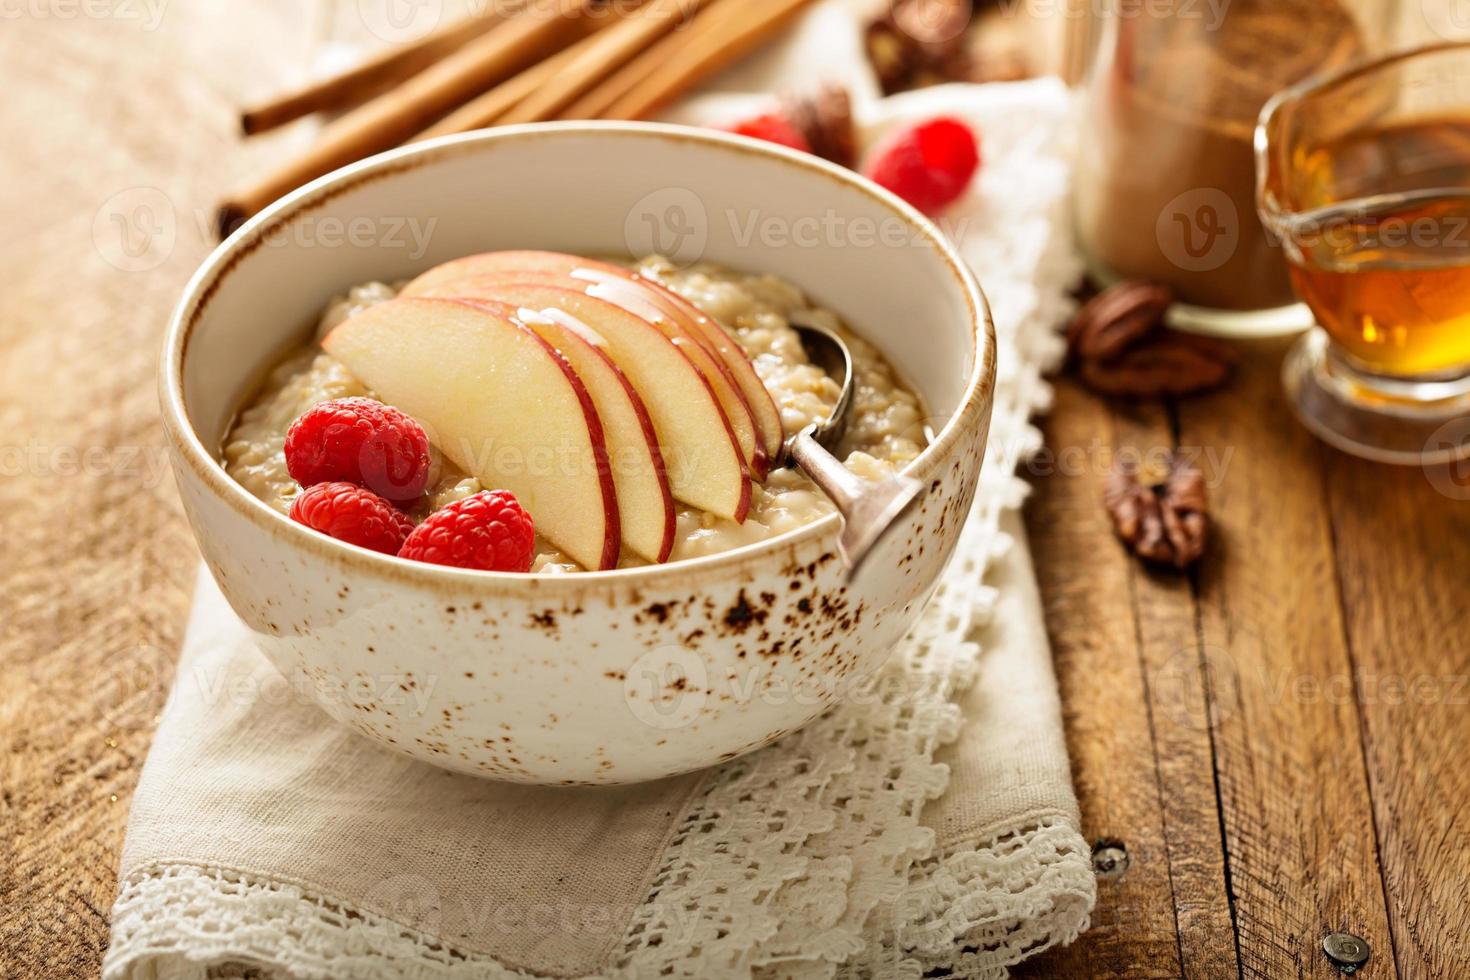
point(611, 50)
point(360, 83)
point(718, 16)
point(489, 108)
point(544, 27)
point(703, 56)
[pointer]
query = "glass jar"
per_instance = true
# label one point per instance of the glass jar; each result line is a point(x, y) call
point(1165, 183)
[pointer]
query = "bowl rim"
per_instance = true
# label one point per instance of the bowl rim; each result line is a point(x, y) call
point(202, 286)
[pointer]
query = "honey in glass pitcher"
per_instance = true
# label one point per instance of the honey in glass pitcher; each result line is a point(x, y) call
point(1363, 177)
point(1386, 267)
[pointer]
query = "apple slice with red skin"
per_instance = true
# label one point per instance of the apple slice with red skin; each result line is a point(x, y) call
point(763, 410)
point(634, 298)
point(645, 502)
point(737, 380)
point(502, 404)
point(702, 456)
point(767, 417)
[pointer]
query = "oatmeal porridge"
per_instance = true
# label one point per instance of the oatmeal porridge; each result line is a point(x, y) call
point(885, 430)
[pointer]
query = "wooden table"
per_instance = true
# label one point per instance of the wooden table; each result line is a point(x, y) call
point(1275, 740)
point(1278, 739)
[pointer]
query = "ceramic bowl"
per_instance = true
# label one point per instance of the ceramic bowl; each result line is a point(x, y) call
point(601, 677)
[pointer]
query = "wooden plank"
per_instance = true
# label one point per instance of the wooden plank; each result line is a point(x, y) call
point(122, 134)
point(1292, 779)
point(1087, 593)
point(1403, 558)
point(1176, 662)
point(1128, 662)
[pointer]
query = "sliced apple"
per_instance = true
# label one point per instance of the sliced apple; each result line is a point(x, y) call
point(502, 404)
point(752, 413)
point(645, 502)
point(758, 398)
point(701, 454)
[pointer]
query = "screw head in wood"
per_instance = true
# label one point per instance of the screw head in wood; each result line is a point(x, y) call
point(1346, 951)
point(1110, 859)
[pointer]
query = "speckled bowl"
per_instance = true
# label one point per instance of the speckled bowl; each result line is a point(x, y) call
point(602, 677)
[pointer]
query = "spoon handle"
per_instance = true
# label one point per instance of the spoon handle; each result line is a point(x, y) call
point(867, 509)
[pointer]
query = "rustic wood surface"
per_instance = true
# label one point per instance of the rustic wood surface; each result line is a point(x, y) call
point(1276, 740)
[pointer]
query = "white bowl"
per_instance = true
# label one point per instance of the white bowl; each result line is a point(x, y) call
point(599, 677)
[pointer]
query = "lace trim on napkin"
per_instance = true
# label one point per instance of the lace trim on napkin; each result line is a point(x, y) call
point(184, 922)
point(807, 859)
point(982, 907)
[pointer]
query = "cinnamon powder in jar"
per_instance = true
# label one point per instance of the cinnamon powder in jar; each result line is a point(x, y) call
point(1166, 169)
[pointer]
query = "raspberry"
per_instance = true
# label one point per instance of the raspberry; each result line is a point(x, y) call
point(773, 128)
point(352, 514)
point(929, 165)
point(488, 531)
point(361, 441)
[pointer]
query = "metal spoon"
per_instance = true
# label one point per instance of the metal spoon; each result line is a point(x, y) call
point(868, 509)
